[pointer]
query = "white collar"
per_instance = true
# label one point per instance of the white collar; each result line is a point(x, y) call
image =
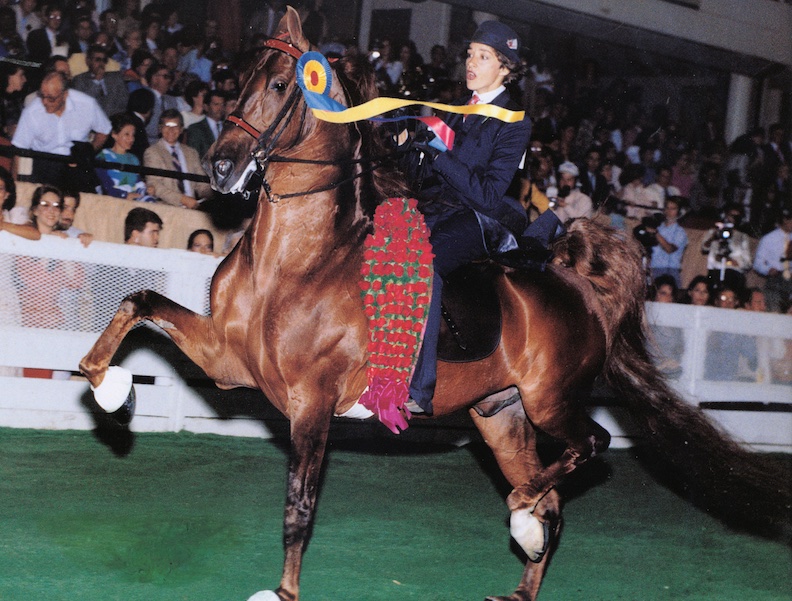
point(488, 97)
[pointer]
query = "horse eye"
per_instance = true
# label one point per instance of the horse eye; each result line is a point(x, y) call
point(279, 86)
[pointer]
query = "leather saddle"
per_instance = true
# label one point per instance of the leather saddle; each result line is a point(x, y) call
point(471, 325)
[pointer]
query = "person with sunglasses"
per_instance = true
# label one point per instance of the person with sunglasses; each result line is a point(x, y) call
point(55, 122)
point(107, 88)
point(160, 80)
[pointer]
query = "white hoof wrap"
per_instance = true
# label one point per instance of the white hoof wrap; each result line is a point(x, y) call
point(528, 532)
point(265, 596)
point(114, 389)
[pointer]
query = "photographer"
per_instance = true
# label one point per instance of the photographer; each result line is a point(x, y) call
point(670, 243)
point(569, 202)
point(727, 250)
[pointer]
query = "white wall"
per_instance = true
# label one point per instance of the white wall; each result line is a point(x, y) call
point(429, 24)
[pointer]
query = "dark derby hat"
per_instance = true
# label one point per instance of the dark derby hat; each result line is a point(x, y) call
point(499, 36)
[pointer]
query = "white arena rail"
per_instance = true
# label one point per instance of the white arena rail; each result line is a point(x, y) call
point(56, 296)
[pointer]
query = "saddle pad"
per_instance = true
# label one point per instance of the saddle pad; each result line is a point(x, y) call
point(471, 327)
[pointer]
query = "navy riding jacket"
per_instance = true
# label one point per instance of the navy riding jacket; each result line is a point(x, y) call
point(477, 172)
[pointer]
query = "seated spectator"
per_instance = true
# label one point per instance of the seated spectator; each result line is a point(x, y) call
point(131, 42)
point(201, 241)
point(42, 41)
point(82, 30)
point(55, 122)
point(46, 285)
point(669, 342)
point(78, 63)
point(71, 202)
point(662, 186)
point(169, 153)
point(225, 80)
point(592, 183)
point(13, 219)
point(139, 108)
point(773, 260)
point(728, 251)
point(203, 134)
point(666, 256)
point(194, 95)
point(698, 293)
point(12, 86)
point(142, 228)
point(139, 64)
point(160, 80)
point(11, 44)
point(571, 202)
point(640, 201)
point(755, 301)
point(730, 356)
point(45, 209)
point(117, 183)
point(108, 88)
point(706, 194)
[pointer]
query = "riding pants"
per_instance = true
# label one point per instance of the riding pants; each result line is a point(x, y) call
point(456, 240)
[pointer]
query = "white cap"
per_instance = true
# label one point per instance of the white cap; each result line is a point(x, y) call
point(570, 168)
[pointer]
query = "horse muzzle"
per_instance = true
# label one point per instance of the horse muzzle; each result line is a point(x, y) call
point(223, 179)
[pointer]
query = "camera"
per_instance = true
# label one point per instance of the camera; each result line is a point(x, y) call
point(643, 235)
point(724, 231)
point(555, 194)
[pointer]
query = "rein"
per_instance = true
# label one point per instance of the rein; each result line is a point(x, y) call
point(266, 140)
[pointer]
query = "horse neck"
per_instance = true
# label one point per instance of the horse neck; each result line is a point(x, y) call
point(301, 234)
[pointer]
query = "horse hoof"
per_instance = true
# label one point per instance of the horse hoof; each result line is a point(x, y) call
point(116, 395)
point(532, 535)
point(265, 596)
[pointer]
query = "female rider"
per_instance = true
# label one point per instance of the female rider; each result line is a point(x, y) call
point(461, 191)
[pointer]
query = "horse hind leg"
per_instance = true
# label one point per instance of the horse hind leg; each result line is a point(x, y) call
point(512, 440)
point(584, 439)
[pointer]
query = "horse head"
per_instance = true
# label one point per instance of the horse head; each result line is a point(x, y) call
point(271, 115)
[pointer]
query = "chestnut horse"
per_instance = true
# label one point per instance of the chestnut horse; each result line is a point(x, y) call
point(287, 318)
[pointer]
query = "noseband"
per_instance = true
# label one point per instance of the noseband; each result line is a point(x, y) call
point(266, 140)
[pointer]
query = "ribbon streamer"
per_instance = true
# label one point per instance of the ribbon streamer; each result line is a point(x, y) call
point(314, 76)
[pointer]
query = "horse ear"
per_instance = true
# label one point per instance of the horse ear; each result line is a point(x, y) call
point(290, 23)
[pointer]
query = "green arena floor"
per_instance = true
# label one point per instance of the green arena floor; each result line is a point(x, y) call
point(189, 517)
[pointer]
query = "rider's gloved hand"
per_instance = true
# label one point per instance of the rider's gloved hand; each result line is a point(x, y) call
point(400, 130)
point(421, 142)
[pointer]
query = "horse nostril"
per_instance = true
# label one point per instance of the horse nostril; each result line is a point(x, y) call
point(223, 167)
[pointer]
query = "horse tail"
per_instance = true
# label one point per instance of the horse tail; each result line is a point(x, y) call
point(744, 488)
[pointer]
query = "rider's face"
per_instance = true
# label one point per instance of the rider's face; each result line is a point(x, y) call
point(484, 71)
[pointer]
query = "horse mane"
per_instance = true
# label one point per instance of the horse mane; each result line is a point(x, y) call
point(375, 182)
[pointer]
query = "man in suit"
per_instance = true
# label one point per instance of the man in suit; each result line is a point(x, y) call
point(159, 78)
point(40, 42)
point(203, 134)
point(79, 40)
point(139, 107)
point(168, 153)
point(108, 89)
point(592, 183)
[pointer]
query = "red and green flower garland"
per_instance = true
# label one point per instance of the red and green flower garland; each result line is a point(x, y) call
point(396, 289)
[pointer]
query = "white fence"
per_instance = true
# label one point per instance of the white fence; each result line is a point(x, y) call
point(56, 296)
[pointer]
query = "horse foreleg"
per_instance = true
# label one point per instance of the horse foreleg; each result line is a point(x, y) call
point(512, 440)
point(191, 332)
point(309, 428)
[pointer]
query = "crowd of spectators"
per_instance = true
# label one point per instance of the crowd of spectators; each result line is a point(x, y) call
point(134, 86)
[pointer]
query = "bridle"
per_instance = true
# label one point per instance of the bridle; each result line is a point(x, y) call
point(262, 154)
